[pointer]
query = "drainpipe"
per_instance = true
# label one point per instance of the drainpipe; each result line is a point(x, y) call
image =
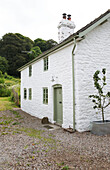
point(73, 69)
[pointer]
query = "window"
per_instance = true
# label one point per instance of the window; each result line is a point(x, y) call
point(30, 71)
point(25, 93)
point(45, 95)
point(46, 64)
point(30, 93)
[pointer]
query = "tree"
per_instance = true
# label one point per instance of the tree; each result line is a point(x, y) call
point(18, 50)
point(101, 100)
point(35, 52)
point(50, 43)
point(12, 47)
point(43, 44)
point(3, 65)
point(40, 43)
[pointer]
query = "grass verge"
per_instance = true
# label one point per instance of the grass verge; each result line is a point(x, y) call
point(6, 104)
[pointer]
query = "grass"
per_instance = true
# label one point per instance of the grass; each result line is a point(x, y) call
point(37, 134)
point(65, 168)
point(6, 104)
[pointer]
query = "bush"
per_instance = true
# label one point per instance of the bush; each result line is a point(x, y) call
point(2, 81)
point(5, 92)
point(6, 76)
point(1, 75)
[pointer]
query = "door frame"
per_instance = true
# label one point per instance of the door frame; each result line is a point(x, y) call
point(55, 87)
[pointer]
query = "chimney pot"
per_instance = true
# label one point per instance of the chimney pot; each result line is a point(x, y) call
point(64, 15)
point(69, 17)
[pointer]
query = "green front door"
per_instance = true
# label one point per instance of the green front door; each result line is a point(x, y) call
point(58, 116)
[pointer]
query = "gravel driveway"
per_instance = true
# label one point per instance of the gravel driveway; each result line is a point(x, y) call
point(26, 144)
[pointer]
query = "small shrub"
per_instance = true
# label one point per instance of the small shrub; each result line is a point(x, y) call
point(65, 168)
point(5, 92)
point(101, 100)
point(2, 81)
point(1, 75)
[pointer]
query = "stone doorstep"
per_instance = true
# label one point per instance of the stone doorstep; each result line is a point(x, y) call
point(52, 126)
point(16, 108)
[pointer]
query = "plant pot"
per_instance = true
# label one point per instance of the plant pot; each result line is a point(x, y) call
point(101, 128)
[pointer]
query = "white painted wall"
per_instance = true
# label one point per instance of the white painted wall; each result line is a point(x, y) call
point(60, 67)
point(93, 53)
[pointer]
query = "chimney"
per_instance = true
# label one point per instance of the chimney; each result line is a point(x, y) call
point(65, 27)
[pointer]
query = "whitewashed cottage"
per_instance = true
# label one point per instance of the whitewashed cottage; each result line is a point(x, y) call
point(58, 82)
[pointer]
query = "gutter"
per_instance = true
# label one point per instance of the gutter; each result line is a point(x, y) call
point(73, 69)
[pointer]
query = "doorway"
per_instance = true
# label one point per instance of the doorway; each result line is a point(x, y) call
point(58, 114)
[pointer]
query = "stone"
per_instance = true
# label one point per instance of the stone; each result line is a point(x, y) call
point(45, 120)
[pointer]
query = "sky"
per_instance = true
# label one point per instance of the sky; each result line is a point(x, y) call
point(40, 18)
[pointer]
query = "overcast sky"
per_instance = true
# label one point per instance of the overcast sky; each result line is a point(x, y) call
point(39, 18)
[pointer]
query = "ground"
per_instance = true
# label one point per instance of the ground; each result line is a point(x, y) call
point(26, 144)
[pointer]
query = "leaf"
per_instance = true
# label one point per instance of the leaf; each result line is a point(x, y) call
point(108, 94)
point(104, 70)
point(94, 107)
point(93, 101)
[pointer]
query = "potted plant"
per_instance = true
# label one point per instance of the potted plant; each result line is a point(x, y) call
point(101, 101)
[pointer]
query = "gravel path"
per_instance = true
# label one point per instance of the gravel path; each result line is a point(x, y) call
point(26, 145)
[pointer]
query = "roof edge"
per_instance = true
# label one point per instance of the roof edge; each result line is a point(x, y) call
point(80, 33)
point(47, 52)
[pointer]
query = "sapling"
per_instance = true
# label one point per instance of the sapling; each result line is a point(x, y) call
point(100, 100)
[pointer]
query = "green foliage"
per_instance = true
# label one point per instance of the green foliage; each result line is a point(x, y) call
point(3, 64)
point(40, 43)
point(35, 51)
point(101, 100)
point(65, 168)
point(43, 44)
point(1, 75)
point(6, 83)
point(6, 76)
point(6, 103)
point(12, 47)
point(2, 81)
point(16, 50)
point(4, 92)
point(50, 43)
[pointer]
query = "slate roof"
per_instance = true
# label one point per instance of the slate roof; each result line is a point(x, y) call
point(69, 39)
point(93, 22)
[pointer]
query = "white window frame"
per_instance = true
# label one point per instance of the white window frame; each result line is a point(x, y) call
point(46, 63)
point(45, 95)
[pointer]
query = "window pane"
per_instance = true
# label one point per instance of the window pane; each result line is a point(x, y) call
point(45, 64)
point(46, 90)
point(30, 70)
point(46, 101)
point(45, 95)
point(30, 93)
point(25, 93)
